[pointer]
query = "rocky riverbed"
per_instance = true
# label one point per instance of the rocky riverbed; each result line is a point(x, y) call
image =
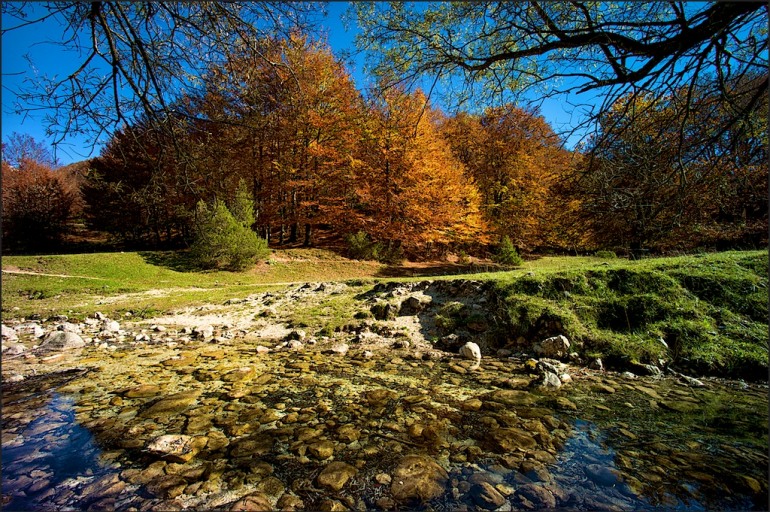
point(236, 407)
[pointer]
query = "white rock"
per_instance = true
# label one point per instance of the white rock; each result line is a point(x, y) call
point(550, 380)
point(12, 349)
point(261, 349)
point(110, 325)
point(596, 364)
point(556, 347)
point(690, 381)
point(69, 327)
point(9, 333)
point(565, 378)
point(63, 340)
point(340, 348)
point(203, 332)
point(175, 447)
point(471, 351)
point(32, 328)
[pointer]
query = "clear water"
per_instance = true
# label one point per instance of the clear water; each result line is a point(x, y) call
point(698, 461)
point(56, 449)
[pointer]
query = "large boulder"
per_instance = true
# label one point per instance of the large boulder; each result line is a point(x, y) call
point(63, 340)
point(556, 347)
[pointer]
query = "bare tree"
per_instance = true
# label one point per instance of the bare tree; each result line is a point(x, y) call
point(134, 58)
point(22, 147)
point(504, 50)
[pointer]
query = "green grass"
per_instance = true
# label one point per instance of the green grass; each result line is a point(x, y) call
point(329, 315)
point(112, 274)
point(711, 309)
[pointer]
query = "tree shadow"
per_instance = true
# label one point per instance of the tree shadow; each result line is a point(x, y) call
point(438, 269)
point(179, 261)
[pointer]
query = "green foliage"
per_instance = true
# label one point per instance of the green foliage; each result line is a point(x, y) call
point(507, 253)
point(242, 207)
point(359, 246)
point(221, 241)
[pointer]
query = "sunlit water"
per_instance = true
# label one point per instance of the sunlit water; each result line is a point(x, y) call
point(705, 466)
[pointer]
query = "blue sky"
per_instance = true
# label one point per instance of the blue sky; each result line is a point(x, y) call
point(39, 43)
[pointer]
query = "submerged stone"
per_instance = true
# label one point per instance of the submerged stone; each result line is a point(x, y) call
point(602, 475)
point(176, 448)
point(256, 502)
point(336, 475)
point(502, 440)
point(418, 477)
point(486, 496)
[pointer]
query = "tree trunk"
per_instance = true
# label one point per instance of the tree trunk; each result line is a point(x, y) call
point(308, 235)
point(293, 232)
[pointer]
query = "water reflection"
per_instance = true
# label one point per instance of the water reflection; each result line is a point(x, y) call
point(602, 473)
point(45, 450)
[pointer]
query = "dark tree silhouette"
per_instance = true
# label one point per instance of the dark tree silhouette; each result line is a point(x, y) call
point(134, 58)
point(618, 49)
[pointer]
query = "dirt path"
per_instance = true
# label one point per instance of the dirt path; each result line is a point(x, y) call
point(30, 273)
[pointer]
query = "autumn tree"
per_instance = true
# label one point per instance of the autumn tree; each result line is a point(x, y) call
point(287, 130)
point(640, 191)
point(515, 159)
point(510, 50)
point(37, 205)
point(411, 191)
point(134, 58)
point(138, 191)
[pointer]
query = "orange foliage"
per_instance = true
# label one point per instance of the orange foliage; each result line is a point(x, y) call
point(37, 204)
point(412, 192)
point(516, 160)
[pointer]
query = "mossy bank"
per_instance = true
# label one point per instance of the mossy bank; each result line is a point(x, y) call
point(704, 314)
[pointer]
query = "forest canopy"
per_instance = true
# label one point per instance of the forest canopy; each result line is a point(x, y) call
point(674, 159)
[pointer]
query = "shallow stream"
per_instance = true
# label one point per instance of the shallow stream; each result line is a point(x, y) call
point(260, 431)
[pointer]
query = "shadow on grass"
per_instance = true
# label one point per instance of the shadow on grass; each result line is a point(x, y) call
point(438, 269)
point(179, 261)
